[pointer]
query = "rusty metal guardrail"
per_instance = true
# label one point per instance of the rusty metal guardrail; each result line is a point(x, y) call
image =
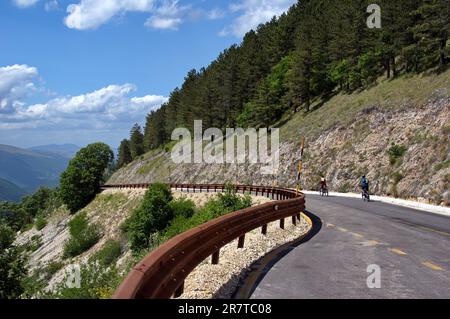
point(161, 274)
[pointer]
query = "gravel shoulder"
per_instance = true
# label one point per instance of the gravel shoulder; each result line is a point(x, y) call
point(220, 281)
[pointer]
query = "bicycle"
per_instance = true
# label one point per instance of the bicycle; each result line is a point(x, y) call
point(323, 191)
point(365, 195)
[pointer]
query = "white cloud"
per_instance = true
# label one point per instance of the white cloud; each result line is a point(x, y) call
point(215, 14)
point(16, 81)
point(253, 13)
point(165, 23)
point(168, 16)
point(108, 107)
point(51, 5)
point(163, 14)
point(25, 3)
point(89, 14)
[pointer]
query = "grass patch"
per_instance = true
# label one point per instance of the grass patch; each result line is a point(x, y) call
point(342, 109)
point(83, 236)
point(114, 200)
point(109, 254)
point(34, 244)
point(396, 152)
point(98, 282)
point(225, 203)
point(183, 207)
point(152, 165)
point(51, 269)
point(40, 223)
point(153, 215)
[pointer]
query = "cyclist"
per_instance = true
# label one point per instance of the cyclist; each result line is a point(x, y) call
point(364, 184)
point(323, 185)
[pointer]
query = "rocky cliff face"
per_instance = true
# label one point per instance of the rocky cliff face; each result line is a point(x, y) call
point(397, 133)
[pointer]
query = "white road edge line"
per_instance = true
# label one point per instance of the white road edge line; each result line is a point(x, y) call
point(438, 210)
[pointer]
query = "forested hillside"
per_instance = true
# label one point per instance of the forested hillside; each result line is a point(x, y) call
point(10, 192)
point(368, 101)
point(296, 62)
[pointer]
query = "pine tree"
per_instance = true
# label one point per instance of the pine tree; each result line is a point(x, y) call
point(124, 154)
point(136, 142)
point(317, 48)
point(431, 33)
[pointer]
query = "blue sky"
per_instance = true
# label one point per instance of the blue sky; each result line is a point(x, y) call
point(80, 71)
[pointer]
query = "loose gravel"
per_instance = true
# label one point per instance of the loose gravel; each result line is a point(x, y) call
point(220, 281)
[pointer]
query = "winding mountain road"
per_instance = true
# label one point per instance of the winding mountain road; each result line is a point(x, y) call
point(412, 249)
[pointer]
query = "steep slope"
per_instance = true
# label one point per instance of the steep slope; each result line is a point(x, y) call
point(10, 191)
point(29, 170)
point(108, 211)
point(347, 136)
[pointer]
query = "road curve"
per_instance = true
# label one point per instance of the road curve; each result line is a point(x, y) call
point(412, 249)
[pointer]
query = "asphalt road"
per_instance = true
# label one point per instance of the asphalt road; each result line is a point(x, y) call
point(411, 248)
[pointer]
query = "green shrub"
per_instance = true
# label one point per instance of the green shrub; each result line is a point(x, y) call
point(108, 254)
point(83, 236)
point(40, 223)
point(12, 272)
point(178, 225)
point(35, 243)
point(396, 178)
point(32, 285)
point(446, 129)
point(231, 201)
point(12, 215)
point(396, 152)
point(225, 203)
point(97, 282)
point(52, 268)
point(7, 236)
point(443, 165)
point(182, 207)
point(81, 181)
point(153, 215)
point(41, 203)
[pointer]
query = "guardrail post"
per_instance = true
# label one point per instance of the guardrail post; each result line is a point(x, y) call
point(241, 241)
point(179, 291)
point(282, 223)
point(215, 257)
point(264, 230)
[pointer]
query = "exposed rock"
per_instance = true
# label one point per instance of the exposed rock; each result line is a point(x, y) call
point(342, 154)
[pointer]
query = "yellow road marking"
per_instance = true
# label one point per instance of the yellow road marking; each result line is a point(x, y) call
point(372, 243)
point(432, 266)
point(357, 235)
point(398, 251)
point(331, 225)
point(343, 229)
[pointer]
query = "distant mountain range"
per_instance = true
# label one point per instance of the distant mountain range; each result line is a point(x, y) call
point(23, 171)
point(10, 192)
point(65, 150)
